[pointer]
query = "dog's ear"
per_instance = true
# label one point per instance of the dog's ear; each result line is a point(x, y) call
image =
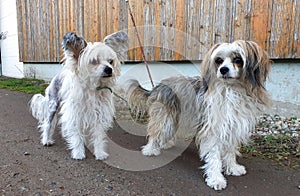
point(119, 42)
point(208, 69)
point(256, 69)
point(257, 65)
point(72, 45)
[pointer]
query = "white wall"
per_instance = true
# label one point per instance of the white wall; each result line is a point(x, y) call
point(9, 47)
point(282, 84)
point(44, 71)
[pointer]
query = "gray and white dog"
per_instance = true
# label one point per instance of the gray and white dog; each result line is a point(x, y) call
point(219, 109)
point(80, 95)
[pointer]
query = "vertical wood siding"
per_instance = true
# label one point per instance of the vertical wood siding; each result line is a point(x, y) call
point(169, 29)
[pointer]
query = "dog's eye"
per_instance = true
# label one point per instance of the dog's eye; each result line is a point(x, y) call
point(238, 60)
point(219, 61)
point(94, 62)
point(110, 61)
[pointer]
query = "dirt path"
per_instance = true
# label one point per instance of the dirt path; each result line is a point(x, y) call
point(28, 168)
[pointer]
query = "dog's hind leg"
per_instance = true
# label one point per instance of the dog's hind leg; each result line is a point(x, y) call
point(51, 107)
point(161, 129)
point(49, 124)
point(47, 131)
point(167, 139)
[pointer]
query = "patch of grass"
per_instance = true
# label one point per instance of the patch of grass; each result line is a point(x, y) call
point(280, 147)
point(25, 85)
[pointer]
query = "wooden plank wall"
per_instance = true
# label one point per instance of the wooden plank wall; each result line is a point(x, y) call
point(169, 29)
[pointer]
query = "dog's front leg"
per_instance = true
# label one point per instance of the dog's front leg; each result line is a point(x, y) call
point(99, 143)
point(230, 164)
point(75, 142)
point(77, 147)
point(213, 168)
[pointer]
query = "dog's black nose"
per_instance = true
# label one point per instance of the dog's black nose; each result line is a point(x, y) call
point(224, 70)
point(108, 70)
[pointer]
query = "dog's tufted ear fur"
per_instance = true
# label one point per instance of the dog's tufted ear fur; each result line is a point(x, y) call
point(257, 66)
point(256, 70)
point(72, 45)
point(119, 42)
point(208, 70)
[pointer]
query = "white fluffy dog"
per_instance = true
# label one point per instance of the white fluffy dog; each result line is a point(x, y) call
point(82, 93)
point(219, 109)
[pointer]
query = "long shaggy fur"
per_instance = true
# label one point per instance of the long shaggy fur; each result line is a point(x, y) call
point(219, 109)
point(81, 95)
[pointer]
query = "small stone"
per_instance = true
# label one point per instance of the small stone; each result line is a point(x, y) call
point(24, 188)
point(26, 153)
point(109, 188)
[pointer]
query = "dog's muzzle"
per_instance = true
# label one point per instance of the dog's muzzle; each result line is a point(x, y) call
point(225, 72)
point(107, 72)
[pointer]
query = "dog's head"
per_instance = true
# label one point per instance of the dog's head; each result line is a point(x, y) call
point(98, 62)
point(241, 62)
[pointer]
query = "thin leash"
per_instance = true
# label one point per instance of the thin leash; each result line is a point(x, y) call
point(141, 47)
point(115, 94)
point(143, 55)
point(99, 88)
point(112, 92)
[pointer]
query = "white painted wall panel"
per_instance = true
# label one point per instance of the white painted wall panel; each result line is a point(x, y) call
point(9, 47)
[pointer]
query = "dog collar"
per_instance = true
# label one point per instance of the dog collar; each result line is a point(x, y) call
point(103, 87)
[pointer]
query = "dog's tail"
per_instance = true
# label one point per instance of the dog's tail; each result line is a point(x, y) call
point(137, 98)
point(39, 107)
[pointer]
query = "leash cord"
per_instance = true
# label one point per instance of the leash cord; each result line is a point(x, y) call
point(118, 96)
point(108, 88)
point(141, 47)
point(115, 94)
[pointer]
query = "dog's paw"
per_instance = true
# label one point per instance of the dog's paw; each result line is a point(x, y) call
point(216, 182)
point(168, 145)
point(47, 142)
point(101, 156)
point(236, 170)
point(78, 155)
point(149, 150)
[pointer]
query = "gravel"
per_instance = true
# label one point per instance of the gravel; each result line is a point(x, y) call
point(270, 125)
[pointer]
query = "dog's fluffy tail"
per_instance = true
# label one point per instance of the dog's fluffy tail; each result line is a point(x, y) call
point(137, 98)
point(39, 107)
